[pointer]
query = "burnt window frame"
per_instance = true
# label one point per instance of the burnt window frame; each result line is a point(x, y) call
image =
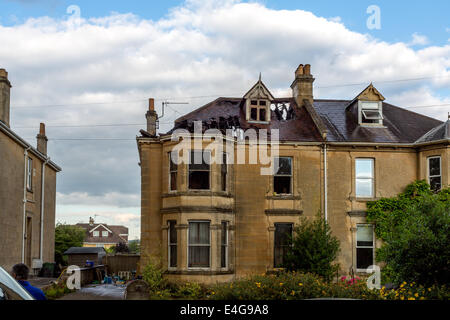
point(371, 248)
point(199, 170)
point(224, 239)
point(260, 104)
point(291, 175)
point(172, 171)
point(279, 264)
point(172, 260)
point(198, 245)
point(430, 176)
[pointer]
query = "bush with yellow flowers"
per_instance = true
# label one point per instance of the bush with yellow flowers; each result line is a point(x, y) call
point(412, 291)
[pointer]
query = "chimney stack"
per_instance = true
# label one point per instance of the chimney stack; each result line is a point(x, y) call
point(302, 87)
point(152, 117)
point(42, 140)
point(5, 90)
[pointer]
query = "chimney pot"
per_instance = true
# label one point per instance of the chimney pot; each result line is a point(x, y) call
point(307, 69)
point(5, 92)
point(42, 140)
point(299, 70)
point(151, 104)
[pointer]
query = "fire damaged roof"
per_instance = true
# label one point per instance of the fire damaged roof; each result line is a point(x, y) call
point(293, 123)
point(306, 124)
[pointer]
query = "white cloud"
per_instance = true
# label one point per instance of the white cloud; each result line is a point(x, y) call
point(214, 48)
point(418, 39)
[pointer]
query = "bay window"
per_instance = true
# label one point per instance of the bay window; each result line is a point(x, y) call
point(199, 244)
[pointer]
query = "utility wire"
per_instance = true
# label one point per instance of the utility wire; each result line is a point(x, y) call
point(219, 95)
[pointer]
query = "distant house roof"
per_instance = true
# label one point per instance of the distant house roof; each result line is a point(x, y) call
point(85, 250)
point(118, 233)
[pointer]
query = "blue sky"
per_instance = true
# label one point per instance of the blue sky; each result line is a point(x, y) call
point(103, 70)
point(399, 18)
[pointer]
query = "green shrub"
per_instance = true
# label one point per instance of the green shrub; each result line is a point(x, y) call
point(313, 249)
point(290, 286)
point(412, 291)
point(153, 275)
point(191, 290)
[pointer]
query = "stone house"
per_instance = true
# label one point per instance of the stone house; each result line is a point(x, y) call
point(209, 221)
point(103, 235)
point(27, 193)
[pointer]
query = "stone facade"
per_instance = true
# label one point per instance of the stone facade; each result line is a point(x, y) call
point(23, 201)
point(323, 180)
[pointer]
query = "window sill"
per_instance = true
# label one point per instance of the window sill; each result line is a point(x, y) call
point(203, 272)
point(199, 193)
point(258, 122)
point(284, 197)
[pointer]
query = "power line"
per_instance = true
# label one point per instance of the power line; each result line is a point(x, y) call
point(220, 95)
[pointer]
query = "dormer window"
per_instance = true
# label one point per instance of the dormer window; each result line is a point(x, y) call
point(371, 112)
point(258, 110)
point(257, 105)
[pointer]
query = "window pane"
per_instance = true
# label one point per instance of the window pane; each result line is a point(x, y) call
point(253, 114)
point(173, 181)
point(199, 160)
point(173, 256)
point(282, 185)
point(198, 233)
point(283, 231)
point(262, 114)
point(364, 188)
point(172, 232)
point(364, 258)
point(372, 114)
point(369, 105)
point(364, 233)
point(284, 165)
point(435, 183)
point(173, 159)
point(254, 102)
point(199, 180)
point(364, 168)
point(435, 166)
point(262, 102)
point(199, 256)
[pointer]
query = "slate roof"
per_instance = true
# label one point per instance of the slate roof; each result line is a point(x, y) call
point(84, 250)
point(441, 132)
point(113, 238)
point(399, 125)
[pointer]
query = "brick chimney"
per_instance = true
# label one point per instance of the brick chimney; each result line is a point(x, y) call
point(152, 117)
point(5, 89)
point(302, 87)
point(42, 140)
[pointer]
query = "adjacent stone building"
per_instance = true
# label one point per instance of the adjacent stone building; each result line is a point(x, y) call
point(210, 222)
point(27, 193)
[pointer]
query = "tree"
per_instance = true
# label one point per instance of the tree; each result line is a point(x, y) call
point(313, 248)
point(415, 229)
point(134, 246)
point(67, 236)
point(121, 247)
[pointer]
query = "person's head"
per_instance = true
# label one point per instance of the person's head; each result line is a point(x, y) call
point(20, 271)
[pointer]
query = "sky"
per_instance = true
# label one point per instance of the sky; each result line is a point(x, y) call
point(87, 68)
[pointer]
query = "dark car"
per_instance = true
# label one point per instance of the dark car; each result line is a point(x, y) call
point(10, 289)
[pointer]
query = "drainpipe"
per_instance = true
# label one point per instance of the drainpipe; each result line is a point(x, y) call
point(325, 182)
point(41, 250)
point(25, 154)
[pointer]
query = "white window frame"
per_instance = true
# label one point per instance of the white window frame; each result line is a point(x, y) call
point(440, 169)
point(29, 174)
point(364, 247)
point(210, 170)
point(371, 178)
point(105, 233)
point(96, 233)
point(187, 247)
point(370, 106)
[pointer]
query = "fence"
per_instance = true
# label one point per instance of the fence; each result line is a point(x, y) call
point(122, 262)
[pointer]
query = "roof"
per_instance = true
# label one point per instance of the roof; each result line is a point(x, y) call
point(300, 128)
point(439, 133)
point(6, 130)
point(84, 250)
point(116, 230)
point(333, 116)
